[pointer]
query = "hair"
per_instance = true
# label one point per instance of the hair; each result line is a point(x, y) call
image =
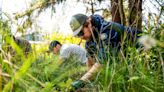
point(54, 44)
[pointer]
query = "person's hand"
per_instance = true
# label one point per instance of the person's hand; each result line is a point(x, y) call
point(78, 84)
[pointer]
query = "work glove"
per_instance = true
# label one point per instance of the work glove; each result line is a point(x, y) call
point(78, 84)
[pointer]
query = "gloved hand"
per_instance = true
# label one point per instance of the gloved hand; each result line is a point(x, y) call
point(78, 84)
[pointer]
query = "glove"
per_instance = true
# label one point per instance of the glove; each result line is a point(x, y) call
point(78, 84)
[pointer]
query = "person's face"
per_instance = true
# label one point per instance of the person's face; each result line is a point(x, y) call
point(56, 49)
point(85, 33)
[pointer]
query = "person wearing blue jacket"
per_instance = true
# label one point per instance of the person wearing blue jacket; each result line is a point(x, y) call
point(100, 35)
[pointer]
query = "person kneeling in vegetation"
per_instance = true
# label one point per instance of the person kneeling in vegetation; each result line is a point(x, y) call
point(67, 50)
point(22, 44)
point(101, 37)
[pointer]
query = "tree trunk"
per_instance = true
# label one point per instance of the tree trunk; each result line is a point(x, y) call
point(117, 11)
point(135, 13)
point(121, 11)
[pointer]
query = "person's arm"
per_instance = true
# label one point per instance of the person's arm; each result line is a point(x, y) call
point(89, 63)
point(89, 75)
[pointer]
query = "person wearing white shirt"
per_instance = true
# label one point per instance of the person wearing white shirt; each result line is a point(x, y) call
point(65, 51)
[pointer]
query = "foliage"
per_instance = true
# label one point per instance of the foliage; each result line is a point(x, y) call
point(130, 70)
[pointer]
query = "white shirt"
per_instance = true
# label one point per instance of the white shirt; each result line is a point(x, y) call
point(72, 49)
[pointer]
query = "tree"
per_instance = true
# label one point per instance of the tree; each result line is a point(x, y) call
point(135, 13)
point(117, 11)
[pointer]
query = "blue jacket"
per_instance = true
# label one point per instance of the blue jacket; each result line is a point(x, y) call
point(106, 34)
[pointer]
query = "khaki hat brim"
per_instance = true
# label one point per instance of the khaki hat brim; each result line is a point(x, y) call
point(77, 31)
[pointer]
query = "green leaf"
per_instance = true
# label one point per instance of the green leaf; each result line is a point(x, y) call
point(133, 78)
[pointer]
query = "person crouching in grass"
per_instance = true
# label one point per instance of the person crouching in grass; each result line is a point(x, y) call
point(66, 51)
point(102, 37)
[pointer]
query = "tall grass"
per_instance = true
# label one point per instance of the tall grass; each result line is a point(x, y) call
point(128, 70)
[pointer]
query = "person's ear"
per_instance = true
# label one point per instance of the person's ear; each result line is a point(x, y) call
point(90, 21)
point(90, 18)
point(58, 46)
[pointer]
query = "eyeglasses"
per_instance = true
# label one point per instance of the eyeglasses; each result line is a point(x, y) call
point(81, 33)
